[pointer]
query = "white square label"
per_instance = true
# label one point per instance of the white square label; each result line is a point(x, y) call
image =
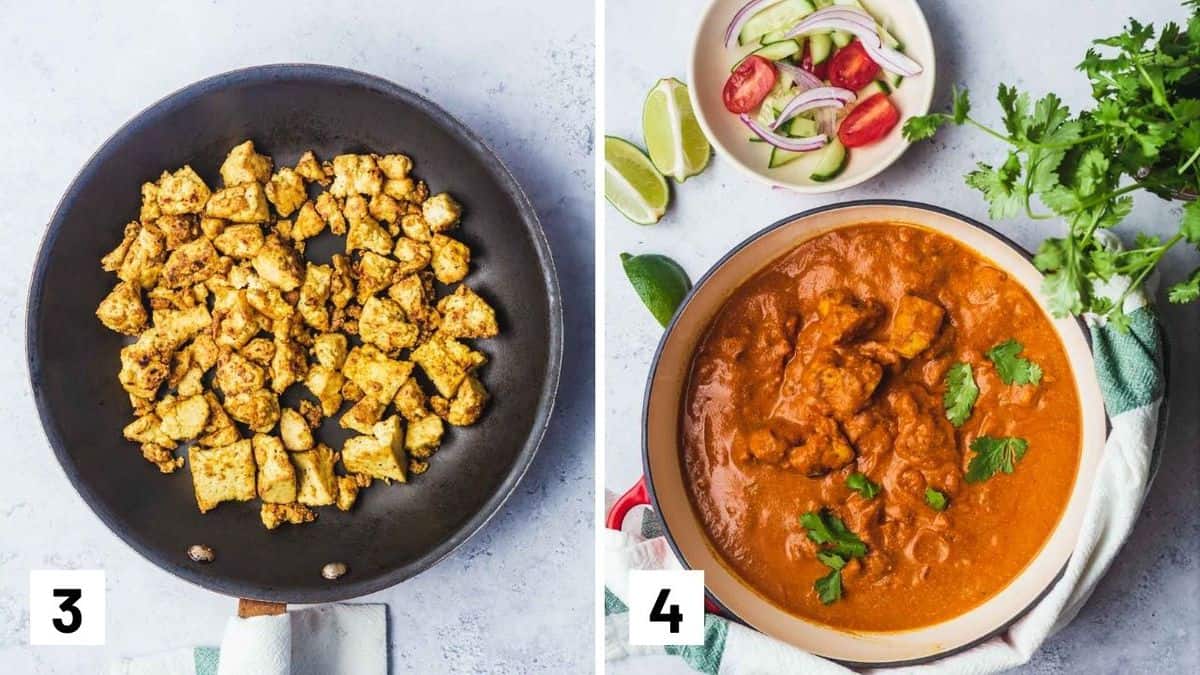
point(666, 607)
point(66, 607)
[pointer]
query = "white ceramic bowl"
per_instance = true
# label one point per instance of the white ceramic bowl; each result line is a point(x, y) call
point(710, 65)
point(664, 464)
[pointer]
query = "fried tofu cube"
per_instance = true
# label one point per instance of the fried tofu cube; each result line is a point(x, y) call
point(383, 324)
point(413, 255)
point(424, 435)
point(310, 169)
point(212, 228)
point(330, 350)
point(147, 429)
point(286, 191)
point(276, 475)
point(220, 430)
point(274, 515)
point(451, 259)
point(375, 373)
point(314, 293)
point(394, 167)
point(404, 189)
point(222, 474)
point(177, 230)
point(149, 211)
point(279, 264)
point(413, 293)
point(314, 469)
point(363, 415)
point(236, 374)
point(243, 165)
point(183, 418)
point(177, 326)
point(294, 430)
point(112, 261)
point(257, 409)
point(289, 365)
point(380, 455)
point(240, 241)
point(122, 310)
point(414, 227)
point(182, 192)
point(915, 324)
point(466, 315)
point(326, 384)
point(367, 234)
point(467, 404)
point(308, 223)
point(384, 209)
point(375, 273)
point(235, 321)
point(331, 211)
point(161, 457)
point(190, 264)
point(410, 400)
point(267, 299)
point(355, 174)
point(347, 491)
point(446, 363)
point(245, 203)
point(143, 261)
point(441, 212)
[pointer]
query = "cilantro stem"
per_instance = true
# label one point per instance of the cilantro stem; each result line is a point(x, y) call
point(1152, 263)
point(988, 130)
point(1189, 161)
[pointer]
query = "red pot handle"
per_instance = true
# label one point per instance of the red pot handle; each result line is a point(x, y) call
point(637, 496)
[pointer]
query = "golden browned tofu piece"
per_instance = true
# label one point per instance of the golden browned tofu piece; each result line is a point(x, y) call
point(182, 192)
point(424, 435)
point(294, 430)
point(236, 374)
point(235, 321)
point(414, 227)
point(380, 455)
point(413, 293)
point(161, 457)
point(314, 470)
point(451, 259)
point(222, 474)
point(310, 169)
point(466, 315)
point(149, 211)
point(331, 211)
point(190, 264)
point(258, 409)
point(279, 264)
point(276, 475)
point(330, 350)
point(446, 363)
point(183, 418)
point(267, 299)
point(412, 255)
point(122, 309)
point(146, 363)
point(341, 286)
point(355, 174)
point(383, 324)
point(244, 165)
point(375, 273)
point(274, 515)
point(178, 230)
point(326, 384)
point(394, 167)
point(286, 191)
point(915, 324)
point(314, 293)
point(404, 189)
point(245, 203)
point(240, 241)
point(375, 373)
point(363, 415)
point(410, 400)
point(384, 209)
point(347, 490)
point(112, 261)
point(289, 365)
point(212, 227)
point(825, 449)
point(143, 262)
point(441, 212)
point(367, 234)
point(147, 429)
point(468, 403)
point(220, 430)
point(308, 223)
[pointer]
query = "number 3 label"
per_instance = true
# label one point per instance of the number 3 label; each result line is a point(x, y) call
point(66, 607)
point(666, 607)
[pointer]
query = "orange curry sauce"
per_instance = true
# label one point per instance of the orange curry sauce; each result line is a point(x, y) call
point(832, 361)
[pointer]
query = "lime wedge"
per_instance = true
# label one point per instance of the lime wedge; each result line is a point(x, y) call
point(677, 146)
point(632, 184)
point(659, 281)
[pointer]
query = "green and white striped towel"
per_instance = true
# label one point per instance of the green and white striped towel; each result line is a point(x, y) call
point(1129, 367)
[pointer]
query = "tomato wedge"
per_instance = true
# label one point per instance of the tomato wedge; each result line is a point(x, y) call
point(749, 84)
point(869, 121)
point(852, 68)
point(821, 70)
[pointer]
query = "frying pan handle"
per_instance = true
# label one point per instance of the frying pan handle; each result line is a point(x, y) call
point(635, 496)
point(248, 608)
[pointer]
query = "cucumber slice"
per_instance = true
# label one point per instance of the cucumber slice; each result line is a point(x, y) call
point(781, 157)
point(777, 51)
point(801, 127)
point(875, 87)
point(830, 163)
point(774, 36)
point(841, 38)
point(888, 39)
point(820, 46)
point(780, 16)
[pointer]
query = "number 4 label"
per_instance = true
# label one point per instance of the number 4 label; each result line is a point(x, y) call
point(66, 607)
point(666, 607)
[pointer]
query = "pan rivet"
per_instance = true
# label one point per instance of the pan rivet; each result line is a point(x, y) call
point(201, 553)
point(334, 570)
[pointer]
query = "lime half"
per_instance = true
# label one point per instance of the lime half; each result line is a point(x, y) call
point(632, 184)
point(659, 281)
point(677, 145)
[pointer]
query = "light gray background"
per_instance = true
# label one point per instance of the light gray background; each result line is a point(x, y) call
point(1145, 615)
point(518, 596)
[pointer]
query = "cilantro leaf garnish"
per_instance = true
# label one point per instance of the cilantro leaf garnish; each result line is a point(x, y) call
point(828, 530)
point(859, 482)
point(961, 393)
point(1012, 368)
point(829, 587)
point(993, 455)
point(935, 499)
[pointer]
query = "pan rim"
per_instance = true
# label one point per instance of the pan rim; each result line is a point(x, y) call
point(473, 144)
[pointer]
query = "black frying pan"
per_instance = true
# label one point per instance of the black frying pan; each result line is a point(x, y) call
point(394, 531)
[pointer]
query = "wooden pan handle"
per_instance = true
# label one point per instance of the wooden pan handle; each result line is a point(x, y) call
point(248, 608)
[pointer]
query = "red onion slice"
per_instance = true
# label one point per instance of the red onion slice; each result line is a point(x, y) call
point(893, 60)
point(821, 97)
point(743, 15)
point(804, 80)
point(864, 27)
point(827, 121)
point(783, 142)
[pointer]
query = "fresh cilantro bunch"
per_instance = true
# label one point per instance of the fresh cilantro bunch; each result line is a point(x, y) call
point(1143, 133)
